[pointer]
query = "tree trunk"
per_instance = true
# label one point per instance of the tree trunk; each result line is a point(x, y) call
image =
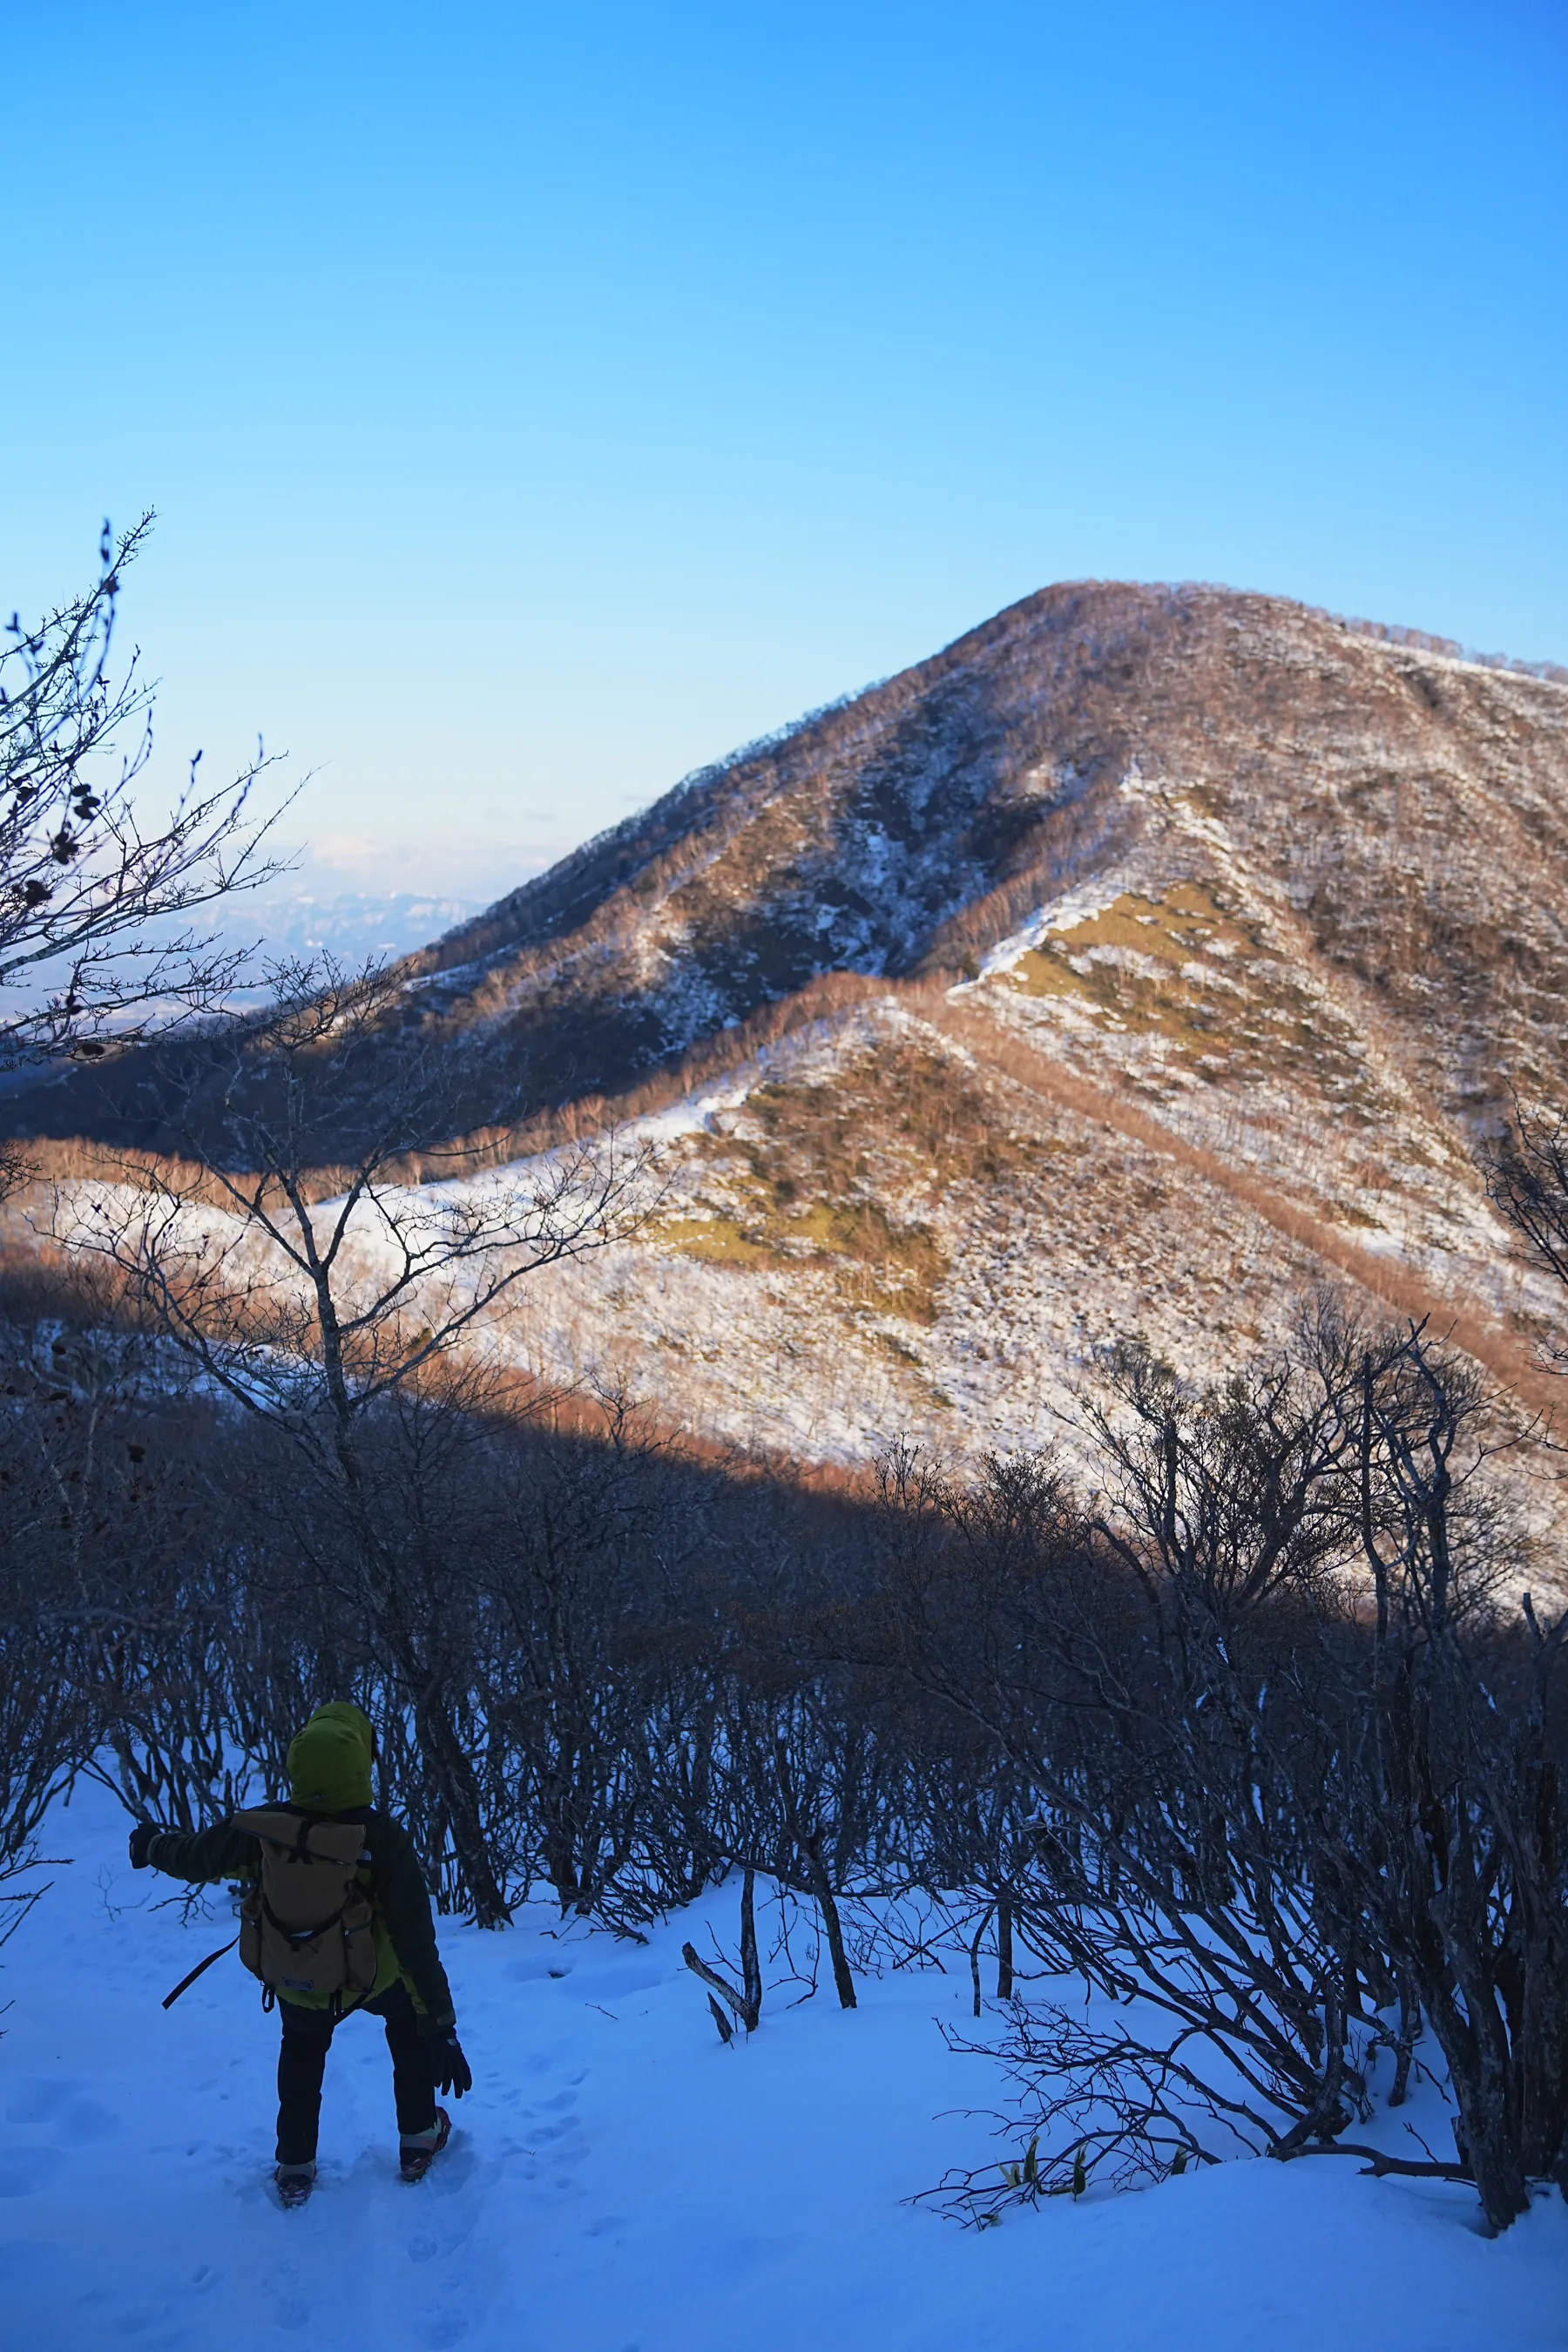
point(808, 1843)
point(826, 1903)
point(1004, 1948)
point(1405, 2042)
point(454, 1776)
point(747, 2004)
point(750, 1967)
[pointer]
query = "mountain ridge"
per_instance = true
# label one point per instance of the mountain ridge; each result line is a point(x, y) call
point(1143, 961)
point(625, 832)
point(824, 851)
point(919, 825)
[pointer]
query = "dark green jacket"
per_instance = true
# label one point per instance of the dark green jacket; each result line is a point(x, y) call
point(330, 1764)
point(389, 1871)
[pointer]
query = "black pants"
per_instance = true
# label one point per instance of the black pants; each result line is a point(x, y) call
point(302, 2062)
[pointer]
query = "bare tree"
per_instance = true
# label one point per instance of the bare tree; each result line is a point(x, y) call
point(288, 1250)
point(86, 1524)
point(1296, 1775)
point(293, 1261)
point(1527, 1176)
point(95, 941)
point(1440, 1834)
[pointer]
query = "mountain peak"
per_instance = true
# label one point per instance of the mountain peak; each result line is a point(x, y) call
point(1093, 732)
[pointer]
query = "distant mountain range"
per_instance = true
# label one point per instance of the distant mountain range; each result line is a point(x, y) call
point(1144, 958)
point(293, 918)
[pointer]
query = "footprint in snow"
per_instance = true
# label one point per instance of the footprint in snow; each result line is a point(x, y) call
point(25, 2170)
point(136, 2318)
point(291, 2310)
point(550, 2134)
point(72, 2115)
point(37, 2098)
point(536, 1969)
point(448, 2330)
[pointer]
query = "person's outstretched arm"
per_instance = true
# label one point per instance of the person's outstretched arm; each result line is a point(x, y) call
point(199, 1856)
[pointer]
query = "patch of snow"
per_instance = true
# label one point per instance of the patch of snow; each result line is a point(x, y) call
point(619, 2182)
point(1080, 904)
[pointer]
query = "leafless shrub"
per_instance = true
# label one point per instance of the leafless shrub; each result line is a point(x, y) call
point(1527, 1176)
point(1248, 1744)
point(1265, 1813)
point(315, 1317)
point(93, 942)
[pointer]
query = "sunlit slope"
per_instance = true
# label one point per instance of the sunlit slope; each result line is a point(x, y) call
point(1140, 963)
point(1395, 820)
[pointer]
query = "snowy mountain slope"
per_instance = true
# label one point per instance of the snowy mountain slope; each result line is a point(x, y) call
point(618, 2182)
point(1405, 816)
point(1274, 925)
point(1142, 960)
point(1400, 815)
point(909, 1219)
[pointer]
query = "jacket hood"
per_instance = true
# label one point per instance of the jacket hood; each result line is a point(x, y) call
point(330, 1761)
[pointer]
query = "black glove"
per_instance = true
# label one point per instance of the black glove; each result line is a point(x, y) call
point(449, 2069)
point(141, 1838)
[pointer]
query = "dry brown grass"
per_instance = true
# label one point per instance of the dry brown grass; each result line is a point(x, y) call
point(921, 1102)
point(803, 1176)
point(1503, 1353)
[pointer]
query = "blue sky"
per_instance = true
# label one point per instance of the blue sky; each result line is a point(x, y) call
point(539, 402)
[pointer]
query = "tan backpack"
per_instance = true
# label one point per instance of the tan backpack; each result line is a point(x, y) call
point(305, 1929)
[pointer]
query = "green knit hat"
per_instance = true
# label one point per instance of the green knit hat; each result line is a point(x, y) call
point(330, 1761)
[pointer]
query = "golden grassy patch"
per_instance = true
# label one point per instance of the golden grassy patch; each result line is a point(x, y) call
point(809, 1172)
point(1239, 1013)
point(714, 1241)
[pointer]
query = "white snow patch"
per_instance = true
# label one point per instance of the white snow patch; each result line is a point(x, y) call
point(1063, 914)
point(618, 2182)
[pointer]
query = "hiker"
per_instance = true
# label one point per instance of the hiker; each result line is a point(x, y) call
point(336, 1917)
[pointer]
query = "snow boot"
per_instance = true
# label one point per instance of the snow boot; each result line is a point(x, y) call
point(295, 2182)
point(418, 2150)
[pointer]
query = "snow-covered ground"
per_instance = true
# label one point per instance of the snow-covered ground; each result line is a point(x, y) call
point(620, 2182)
